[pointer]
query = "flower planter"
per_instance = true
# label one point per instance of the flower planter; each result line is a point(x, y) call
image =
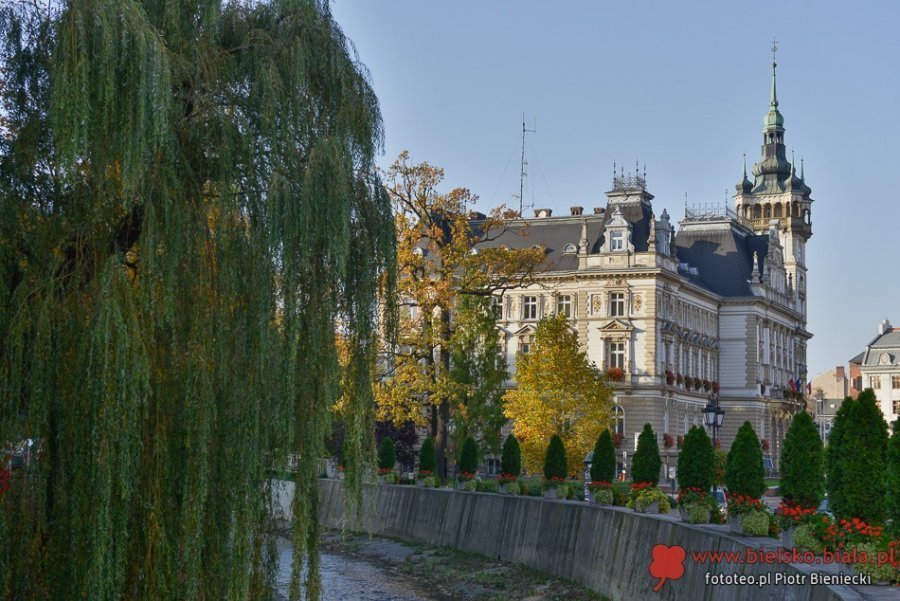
point(550, 492)
point(501, 489)
point(787, 538)
point(651, 508)
point(420, 482)
point(734, 524)
point(460, 485)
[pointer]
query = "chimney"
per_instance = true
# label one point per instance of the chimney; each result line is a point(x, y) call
point(542, 213)
point(884, 327)
point(599, 210)
point(839, 372)
point(576, 210)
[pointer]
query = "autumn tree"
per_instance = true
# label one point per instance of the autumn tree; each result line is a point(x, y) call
point(189, 211)
point(559, 392)
point(445, 364)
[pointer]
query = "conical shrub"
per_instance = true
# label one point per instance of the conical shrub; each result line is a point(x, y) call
point(646, 463)
point(555, 462)
point(603, 463)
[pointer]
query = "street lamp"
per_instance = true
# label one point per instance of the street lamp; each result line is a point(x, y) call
point(713, 416)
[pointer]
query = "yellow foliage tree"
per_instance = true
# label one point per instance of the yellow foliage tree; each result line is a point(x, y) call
point(559, 392)
point(443, 255)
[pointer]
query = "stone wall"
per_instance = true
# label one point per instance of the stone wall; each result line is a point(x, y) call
point(605, 549)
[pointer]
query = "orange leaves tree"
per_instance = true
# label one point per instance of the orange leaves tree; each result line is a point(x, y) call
point(559, 392)
point(445, 364)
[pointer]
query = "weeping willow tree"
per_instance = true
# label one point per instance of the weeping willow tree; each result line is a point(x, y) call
point(190, 215)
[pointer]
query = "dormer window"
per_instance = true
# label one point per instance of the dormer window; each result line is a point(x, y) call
point(617, 241)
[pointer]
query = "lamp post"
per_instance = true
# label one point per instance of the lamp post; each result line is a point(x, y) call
point(713, 416)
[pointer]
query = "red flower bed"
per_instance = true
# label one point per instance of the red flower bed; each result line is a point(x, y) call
point(599, 485)
point(617, 438)
point(791, 514)
point(465, 476)
point(615, 374)
point(738, 504)
point(385, 470)
point(668, 441)
point(506, 478)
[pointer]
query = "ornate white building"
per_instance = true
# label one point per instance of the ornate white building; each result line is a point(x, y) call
point(879, 368)
point(722, 301)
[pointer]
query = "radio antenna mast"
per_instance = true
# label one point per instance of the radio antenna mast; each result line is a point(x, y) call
point(522, 172)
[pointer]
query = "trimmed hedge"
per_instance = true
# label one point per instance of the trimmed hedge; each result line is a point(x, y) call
point(863, 462)
point(802, 463)
point(555, 463)
point(696, 462)
point(646, 463)
point(468, 457)
point(893, 477)
point(427, 459)
point(387, 457)
point(511, 458)
point(603, 464)
point(744, 469)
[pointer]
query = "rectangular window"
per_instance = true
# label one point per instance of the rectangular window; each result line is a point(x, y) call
point(617, 304)
point(617, 241)
point(529, 307)
point(895, 383)
point(896, 407)
point(564, 305)
point(525, 344)
point(617, 355)
point(497, 307)
point(875, 382)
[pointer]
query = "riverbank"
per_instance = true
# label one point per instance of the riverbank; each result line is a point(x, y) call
point(451, 575)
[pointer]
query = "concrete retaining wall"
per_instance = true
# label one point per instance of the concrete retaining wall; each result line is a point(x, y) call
point(605, 549)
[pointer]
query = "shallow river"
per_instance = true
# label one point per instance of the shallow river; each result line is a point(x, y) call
point(345, 578)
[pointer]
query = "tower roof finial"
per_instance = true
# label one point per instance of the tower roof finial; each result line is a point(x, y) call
point(773, 100)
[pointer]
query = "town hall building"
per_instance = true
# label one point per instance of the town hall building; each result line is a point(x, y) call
point(715, 307)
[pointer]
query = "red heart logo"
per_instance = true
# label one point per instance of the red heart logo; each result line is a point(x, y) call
point(668, 562)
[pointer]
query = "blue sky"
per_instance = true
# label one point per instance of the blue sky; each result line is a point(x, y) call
point(682, 86)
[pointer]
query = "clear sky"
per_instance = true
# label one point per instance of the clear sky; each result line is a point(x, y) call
point(682, 86)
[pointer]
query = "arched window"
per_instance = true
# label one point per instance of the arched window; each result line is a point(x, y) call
point(767, 212)
point(777, 209)
point(757, 212)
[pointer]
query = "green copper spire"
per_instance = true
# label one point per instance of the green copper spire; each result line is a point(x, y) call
point(774, 121)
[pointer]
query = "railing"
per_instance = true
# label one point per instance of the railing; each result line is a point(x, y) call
point(713, 212)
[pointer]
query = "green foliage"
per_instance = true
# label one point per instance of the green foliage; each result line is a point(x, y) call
point(755, 523)
point(477, 369)
point(534, 488)
point(805, 538)
point(427, 459)
point(189, 208)
point(893, 478)
point(511, 459)
point(698, 513)
point(512, 488)
point(603, 496)
point(430, 482)
point(834, 456)
point(863, 462)
point(719, 471)
point(646, 463)
point(603, 464)
point(487, 486)
point(696, 462)
point(802, 463)
point(468, 456)
point(470, 485)
point(555, 462)
point(744, 469)
point(387, 457)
